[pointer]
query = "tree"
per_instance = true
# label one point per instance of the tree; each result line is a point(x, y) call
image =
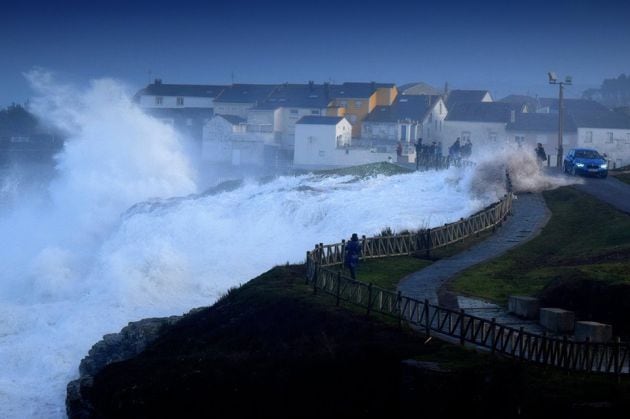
point(613, 92)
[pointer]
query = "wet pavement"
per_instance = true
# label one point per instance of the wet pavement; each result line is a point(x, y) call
point(530, 215)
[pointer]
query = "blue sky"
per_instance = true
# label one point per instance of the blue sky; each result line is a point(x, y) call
point(496, 45)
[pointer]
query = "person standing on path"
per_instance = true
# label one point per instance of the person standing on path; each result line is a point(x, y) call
point(418, 152)
point(541, 156)
point(353, 252)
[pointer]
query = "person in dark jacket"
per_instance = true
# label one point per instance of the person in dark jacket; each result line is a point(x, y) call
point(418, 152)
point(540, 154)
point(353, 252)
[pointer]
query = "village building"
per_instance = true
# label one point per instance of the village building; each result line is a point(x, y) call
point(409, 118)
point(529, 129)
point(237, 99)
point(177, 96)
point(326, 142)
point(483, 123)
point(359, 99)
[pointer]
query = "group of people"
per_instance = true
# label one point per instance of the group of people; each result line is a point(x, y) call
point(428, 155)
point(460, 151)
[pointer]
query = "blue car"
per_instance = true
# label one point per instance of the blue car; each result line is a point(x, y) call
point(585, 161)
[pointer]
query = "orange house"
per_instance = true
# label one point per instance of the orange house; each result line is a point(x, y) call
point(358, 99)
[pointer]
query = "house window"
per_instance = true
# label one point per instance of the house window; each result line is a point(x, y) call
point(589, 137)
point(493, 137)
point(358, 104)
point(440, 108)
point(628, 138)
point(519, 139)
point(158, 100)
point(322, 153)
point(180, 101)
point(294, 111)
point(431, 117)
point(465, 135)
point(315, 112)
point(609, 137)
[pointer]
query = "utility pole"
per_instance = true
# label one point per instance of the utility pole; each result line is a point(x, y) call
point(553, 79)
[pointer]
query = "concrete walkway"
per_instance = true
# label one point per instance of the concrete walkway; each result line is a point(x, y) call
point(530, 214)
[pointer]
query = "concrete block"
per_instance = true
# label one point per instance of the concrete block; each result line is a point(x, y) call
point(557, 320)
point(596, 332)
point(525, 307)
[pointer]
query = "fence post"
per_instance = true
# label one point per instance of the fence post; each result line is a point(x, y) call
point(493, 334)
point(338, 290)
point(399, 305)
point(427, 319)
point(616, 357)
point(428, 241)
point(462, 330)
point(369, 304)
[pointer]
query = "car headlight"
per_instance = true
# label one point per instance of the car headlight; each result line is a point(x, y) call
point(579, 164)
point(604, 166)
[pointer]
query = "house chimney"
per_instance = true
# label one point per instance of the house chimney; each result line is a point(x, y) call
point(158, 81)
point(311, 85)
point(445, 88)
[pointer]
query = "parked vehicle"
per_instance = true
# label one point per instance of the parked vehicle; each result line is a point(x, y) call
point(585, 161)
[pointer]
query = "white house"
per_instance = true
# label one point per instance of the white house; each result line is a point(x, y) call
point(277, 115)
point(483, 123)
point(528, 129)
point(608, 132)
point(410, 117)
point(226, 141)
point(326, 142)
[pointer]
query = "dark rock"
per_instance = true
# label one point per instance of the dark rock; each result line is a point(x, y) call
point(114, 347)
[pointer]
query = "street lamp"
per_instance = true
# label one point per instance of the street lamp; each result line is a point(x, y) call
point(553, 79)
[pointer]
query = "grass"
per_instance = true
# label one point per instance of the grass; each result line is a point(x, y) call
point(387, 272)
point(585, 239)
point(271, 348)
point(624, 177)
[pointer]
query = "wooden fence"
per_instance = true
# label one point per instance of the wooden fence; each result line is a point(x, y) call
point(324, 274)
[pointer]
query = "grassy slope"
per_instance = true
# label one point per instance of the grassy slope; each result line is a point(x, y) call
point(273, 349)
point(585, 239)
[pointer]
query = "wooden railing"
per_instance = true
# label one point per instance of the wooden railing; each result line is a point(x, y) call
point(324, 273)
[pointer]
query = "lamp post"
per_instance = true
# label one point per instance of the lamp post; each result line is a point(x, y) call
point(553, 79)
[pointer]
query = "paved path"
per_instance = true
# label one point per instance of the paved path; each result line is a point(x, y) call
point(610, 190)
point(530, 214)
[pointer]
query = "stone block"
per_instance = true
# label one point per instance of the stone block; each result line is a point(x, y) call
point(596, 332)
point(525, 307)
point(557, 320)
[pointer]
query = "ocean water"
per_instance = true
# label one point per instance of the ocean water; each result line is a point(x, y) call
point(121, 230)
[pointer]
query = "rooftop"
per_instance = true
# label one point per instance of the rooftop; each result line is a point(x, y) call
point(309, 95)
point(404, 108)
point(357, 90)
point(418, 88)
point(455, 97)
point(482, 112)
point(246, 93)
point(196, 90)
point(540, 122)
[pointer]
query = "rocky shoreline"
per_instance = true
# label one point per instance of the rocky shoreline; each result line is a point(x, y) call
point(114, 347)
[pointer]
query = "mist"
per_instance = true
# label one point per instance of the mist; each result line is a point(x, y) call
point(122, 230)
